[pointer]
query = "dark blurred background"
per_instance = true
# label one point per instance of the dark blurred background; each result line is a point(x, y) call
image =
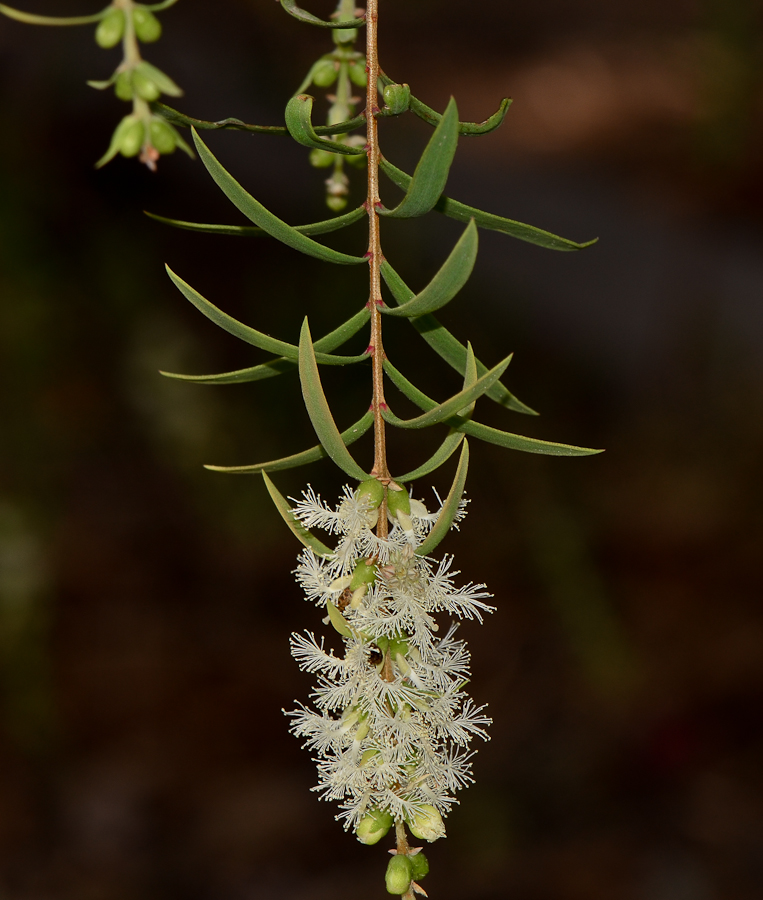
point(145, 604)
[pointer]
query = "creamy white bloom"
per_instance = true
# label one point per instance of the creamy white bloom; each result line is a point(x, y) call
point(391, 723)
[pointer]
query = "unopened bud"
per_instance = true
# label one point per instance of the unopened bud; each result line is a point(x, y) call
point(364, 573)
point(123, 86)
point(147, 27)
point(336, 203)
point(131, 139)
point(358, 74)
point(144, 87)
point(398, 501)
point(428, 824)
point(110, 29)
point(397, 97)
point(373, 826)
point(372, 490)
point(398, 877)
point(163, 135)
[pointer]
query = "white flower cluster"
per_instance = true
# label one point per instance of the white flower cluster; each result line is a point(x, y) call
point(391, 724)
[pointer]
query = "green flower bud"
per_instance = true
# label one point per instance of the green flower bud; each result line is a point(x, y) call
point(321, 159)
point(428, 824)
point(144, 87)
point(147, 27)
point(163, 135)
point(131, 139)
point(123, 86)
point(110, 29)
point(325, 73)
point(358, 74)
point(373, 826)
point(398, 501)
point(397, 97)
point(398, 877)
point(419, 866)
point(398, 645)
point(363, 574)
point(373, 490)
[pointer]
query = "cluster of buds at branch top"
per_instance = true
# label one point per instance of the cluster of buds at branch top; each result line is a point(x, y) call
point(391, 723)
point(142, 132)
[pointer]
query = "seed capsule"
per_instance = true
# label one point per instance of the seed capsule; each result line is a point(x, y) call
point(373, 826)
point(428, 824)
point(419, 866)
point(110, 29)
point(398, 877)
point(397, 97)
point(321, 159)
point(358, 74)
point(145, 87)
point(324, 73)
point(132, 138)
point(147, 27)
point(163, 136)
point(123, 86)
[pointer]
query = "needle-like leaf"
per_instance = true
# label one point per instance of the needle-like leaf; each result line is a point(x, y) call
point(323, 227)
point(287, 514)
point(349, 436)
point(455, 210)
point(431, 174)
point(448, 281)
point(33, 19)
point(485, 432)
point(262, 217)
point(298, 116)
point(249, 334)
point(449, 408)
point(291, 7)
point(469, 128)
point(450, 508)
point(278, 366)
point(318, 408)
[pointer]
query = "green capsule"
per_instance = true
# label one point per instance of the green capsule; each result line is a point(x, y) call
point(163, 135)
point(123, 86)
point(144, 87)
point(373, 490)
point(325, 73)
point(428, 824)
point(132, 138)
point(358, 74)
point(398, 877)
point(398, 501)
point(373, 826)
point(321, 159)
point(110, 29)
point(363, 574)
point(147, 27)
point(397, 97)
point(419, 866)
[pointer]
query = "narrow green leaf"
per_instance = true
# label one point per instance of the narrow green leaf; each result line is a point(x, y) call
point(469, 128)
point(158, 7)
point(338, 620)
point(165, 84)
point(323, 227)
point(446, 345)
point(449, 508)
point(102, 85)
point(318, 408)
point(291, 7)
point(450, 407)
point(32, 19)
point(448, 281)
point(277, 366)
point(470, 378)
point(249, 334)
point(175, 117)
point(257, 213)
point(484, 432)
point(431, 173)
point(443, 453)
point(349, 436)
point(460, 211)
point(299, 111)
point(287, 514)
